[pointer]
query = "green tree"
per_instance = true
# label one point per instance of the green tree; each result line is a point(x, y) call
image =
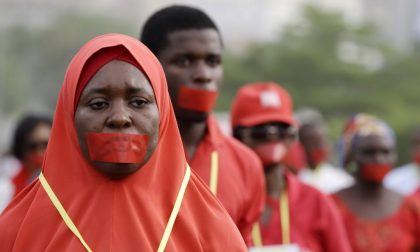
point(34, 61)
point(336, 67)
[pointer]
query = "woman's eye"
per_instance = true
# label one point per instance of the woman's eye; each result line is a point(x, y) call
point(138, 103)
point(98, 105)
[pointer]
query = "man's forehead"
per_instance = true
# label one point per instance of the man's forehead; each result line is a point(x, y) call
point(184, 41)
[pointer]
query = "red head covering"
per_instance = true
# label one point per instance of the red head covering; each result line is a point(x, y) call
point(259, 103)
point(116, 215)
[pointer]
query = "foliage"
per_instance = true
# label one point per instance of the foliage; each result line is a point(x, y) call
point(306, 60)
point(37, 58)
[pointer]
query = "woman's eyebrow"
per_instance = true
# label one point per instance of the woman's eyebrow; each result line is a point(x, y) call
point(101, 90)
point(135, 90)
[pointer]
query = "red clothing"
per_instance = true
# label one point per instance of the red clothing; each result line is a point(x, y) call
point(399, 232)
point(129, 214)
point(241, 184)
point(315, 223)
point(21, 180)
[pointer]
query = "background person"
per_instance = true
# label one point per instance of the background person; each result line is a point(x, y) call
point(319, 172)
point(189, 46)
point(376, 218)
point(29, 143)
point(295, 214)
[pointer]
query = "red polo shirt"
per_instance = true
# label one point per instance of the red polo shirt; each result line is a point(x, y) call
point(315, 223)
point(240, 180)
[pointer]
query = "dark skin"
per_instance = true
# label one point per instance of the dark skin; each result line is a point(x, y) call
point(415, 143)
point(118, 99)
point(274, 174)
point(371, 200)
point(192, 58)
point(37, 142)
point(312, 136)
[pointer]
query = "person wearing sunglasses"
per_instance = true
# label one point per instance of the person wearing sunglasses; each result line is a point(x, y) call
point(296, 216)
point(29, 143)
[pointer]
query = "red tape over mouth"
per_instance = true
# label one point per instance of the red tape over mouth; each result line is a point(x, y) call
point(195, 99)
point(116, 147)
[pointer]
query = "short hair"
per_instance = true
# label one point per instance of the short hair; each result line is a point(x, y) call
point(24, 128)
point(170, 19)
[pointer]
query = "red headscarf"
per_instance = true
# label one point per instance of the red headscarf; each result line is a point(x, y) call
point(116, 215)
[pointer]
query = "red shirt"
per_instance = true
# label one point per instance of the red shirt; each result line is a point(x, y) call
point(240, 183)
point(399, 232)
point(21, 180)
point(315, 223)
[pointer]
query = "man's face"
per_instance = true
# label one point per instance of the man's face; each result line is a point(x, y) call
point(270, 141)
point(118, 99)
point(192, 58)
point(313, 139)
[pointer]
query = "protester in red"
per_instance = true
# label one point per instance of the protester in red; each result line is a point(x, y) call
point(319, 173)
point(295, 213)
point(115, 177)
point(23, 164)
point(376, 218)
point(189, 46)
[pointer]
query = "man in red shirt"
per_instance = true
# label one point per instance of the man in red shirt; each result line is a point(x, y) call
point(296, 215)
point(189, 47)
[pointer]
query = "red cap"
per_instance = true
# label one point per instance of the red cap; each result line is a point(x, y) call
point(259, 103)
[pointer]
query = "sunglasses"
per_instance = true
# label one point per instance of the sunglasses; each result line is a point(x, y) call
point(269, 131)
point(40, 145)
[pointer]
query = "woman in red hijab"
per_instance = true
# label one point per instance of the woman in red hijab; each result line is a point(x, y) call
point(114, 175)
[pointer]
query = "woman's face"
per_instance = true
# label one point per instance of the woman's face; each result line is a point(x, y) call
point(375, 149)
point(374, 156)
point(118, 99)
point(36, 146)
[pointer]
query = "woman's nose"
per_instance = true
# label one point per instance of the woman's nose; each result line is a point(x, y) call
point(120, 116)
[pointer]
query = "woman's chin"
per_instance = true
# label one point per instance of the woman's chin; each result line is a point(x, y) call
point(116, 170)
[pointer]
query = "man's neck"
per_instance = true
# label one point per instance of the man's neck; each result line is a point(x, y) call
point(275, 180)
point(191, 133)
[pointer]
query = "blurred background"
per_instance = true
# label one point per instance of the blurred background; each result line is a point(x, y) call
point(340, 57)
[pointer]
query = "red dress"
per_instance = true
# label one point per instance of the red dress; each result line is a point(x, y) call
point(399, 232)
point(315, 223)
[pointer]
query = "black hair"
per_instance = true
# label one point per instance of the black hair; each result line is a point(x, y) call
point(24, 128)
point(170, 19)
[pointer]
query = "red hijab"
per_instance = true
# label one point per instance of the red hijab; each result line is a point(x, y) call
point(116, 215)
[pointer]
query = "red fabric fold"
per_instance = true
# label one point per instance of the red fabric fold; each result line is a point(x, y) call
point(116, 215)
